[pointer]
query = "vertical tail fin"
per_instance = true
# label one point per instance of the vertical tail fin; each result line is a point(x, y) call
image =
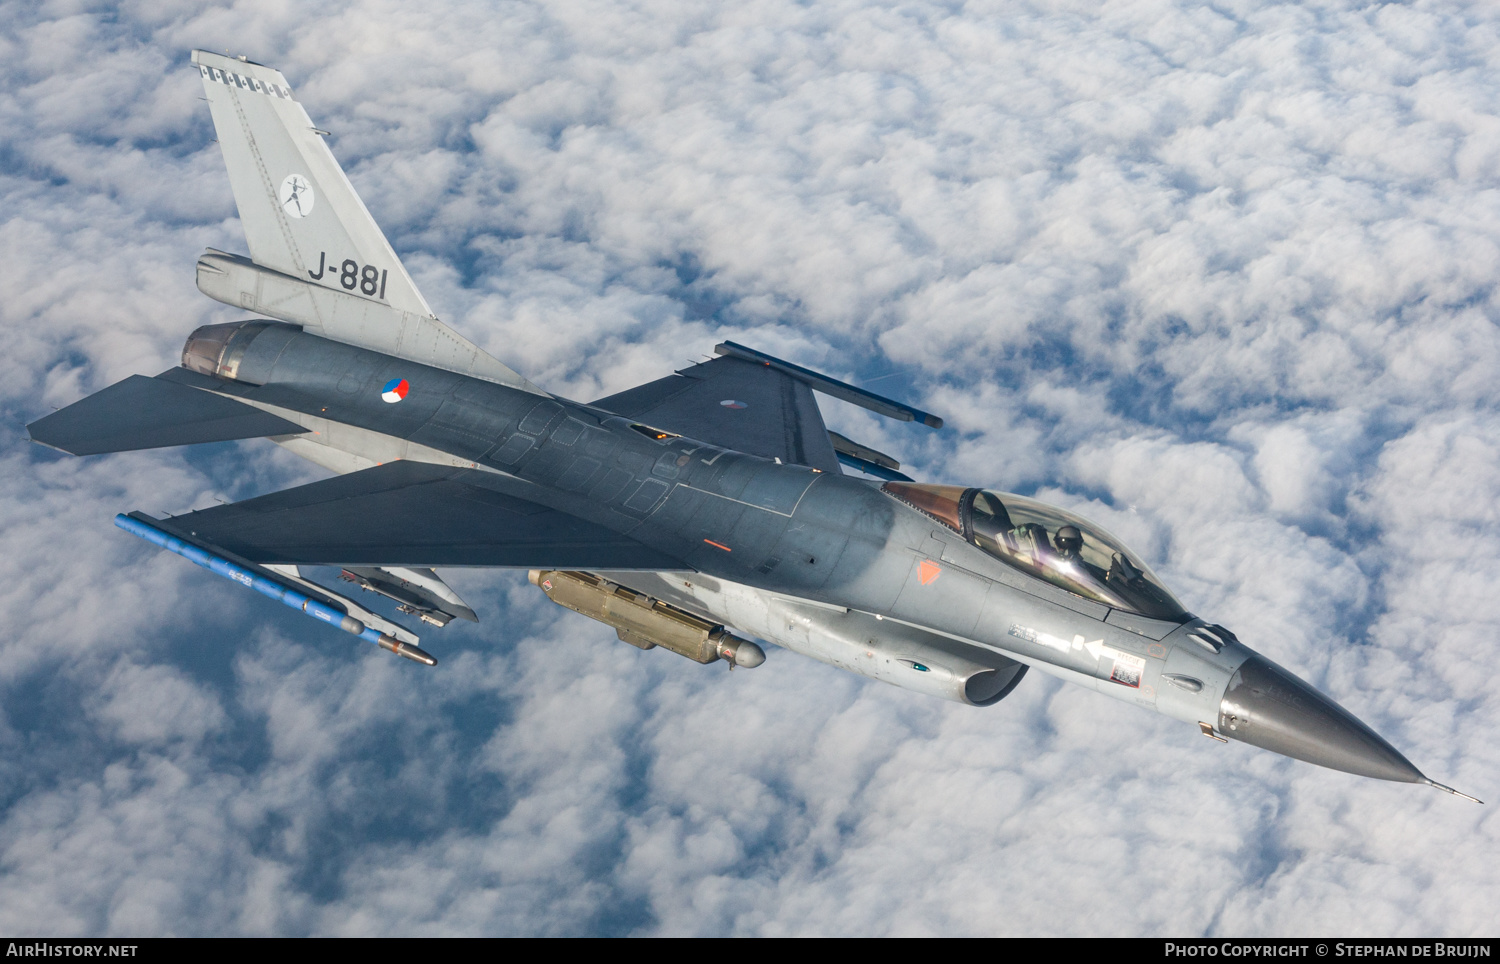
point(304, 222)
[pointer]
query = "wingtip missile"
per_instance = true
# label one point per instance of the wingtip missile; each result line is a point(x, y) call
point(264, 583)
point(832, 387)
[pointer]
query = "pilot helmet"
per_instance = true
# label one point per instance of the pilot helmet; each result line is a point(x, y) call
point(1068, 539)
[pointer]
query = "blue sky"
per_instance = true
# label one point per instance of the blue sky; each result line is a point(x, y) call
point(1221, 276)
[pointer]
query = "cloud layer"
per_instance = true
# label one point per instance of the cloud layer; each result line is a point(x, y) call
point(1221, 277)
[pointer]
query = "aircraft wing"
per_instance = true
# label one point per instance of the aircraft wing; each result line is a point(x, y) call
point(736, 404)
point(413, 514)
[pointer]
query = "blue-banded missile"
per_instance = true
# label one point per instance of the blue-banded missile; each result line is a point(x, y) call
point(269, 587)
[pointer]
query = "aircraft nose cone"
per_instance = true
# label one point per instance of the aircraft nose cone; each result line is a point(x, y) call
point(1268, 707)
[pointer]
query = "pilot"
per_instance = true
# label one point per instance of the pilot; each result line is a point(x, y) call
point(1068, 542)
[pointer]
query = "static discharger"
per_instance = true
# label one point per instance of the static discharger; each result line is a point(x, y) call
point(220, 566)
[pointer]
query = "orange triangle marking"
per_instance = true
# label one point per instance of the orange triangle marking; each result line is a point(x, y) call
point(928, 571)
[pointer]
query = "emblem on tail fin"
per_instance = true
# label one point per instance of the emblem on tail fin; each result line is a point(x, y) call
point(297, 196)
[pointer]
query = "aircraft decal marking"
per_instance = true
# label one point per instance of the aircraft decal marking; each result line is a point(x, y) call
point(1127, 667)
point(1045, 639)
point(928, 572)
point(1157, 650)
point(369, 279)
point(229, 79)
point(718, 545)
point(734, 404)
point(395, 390)
point(297, 196)
point(1098, 650)
point(1127, 670)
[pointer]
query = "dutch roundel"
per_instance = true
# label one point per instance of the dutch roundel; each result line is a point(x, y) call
point(395, 390)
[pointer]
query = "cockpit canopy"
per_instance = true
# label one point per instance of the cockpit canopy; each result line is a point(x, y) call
point(1045, 541)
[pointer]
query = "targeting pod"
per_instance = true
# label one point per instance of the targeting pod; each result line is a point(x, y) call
point(266, 586)
point(645, 622)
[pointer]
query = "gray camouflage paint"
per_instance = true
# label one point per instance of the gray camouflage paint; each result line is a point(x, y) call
point(807, 559)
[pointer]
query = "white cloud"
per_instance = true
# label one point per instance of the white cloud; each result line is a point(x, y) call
point(1221, 277)
point(156, 704)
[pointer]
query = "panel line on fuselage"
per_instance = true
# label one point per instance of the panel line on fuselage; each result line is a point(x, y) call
point(788, 514)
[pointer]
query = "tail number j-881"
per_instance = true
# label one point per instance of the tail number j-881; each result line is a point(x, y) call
point(351, 275)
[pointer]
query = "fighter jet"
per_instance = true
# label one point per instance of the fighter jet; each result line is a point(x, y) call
point(696, 513)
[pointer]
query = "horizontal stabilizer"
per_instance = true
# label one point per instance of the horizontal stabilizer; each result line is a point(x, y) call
point(149, 413)
point(832, 386)
point(414, 515)
point(329, 312)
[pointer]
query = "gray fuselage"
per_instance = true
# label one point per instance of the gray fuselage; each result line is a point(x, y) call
point(817, 562)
